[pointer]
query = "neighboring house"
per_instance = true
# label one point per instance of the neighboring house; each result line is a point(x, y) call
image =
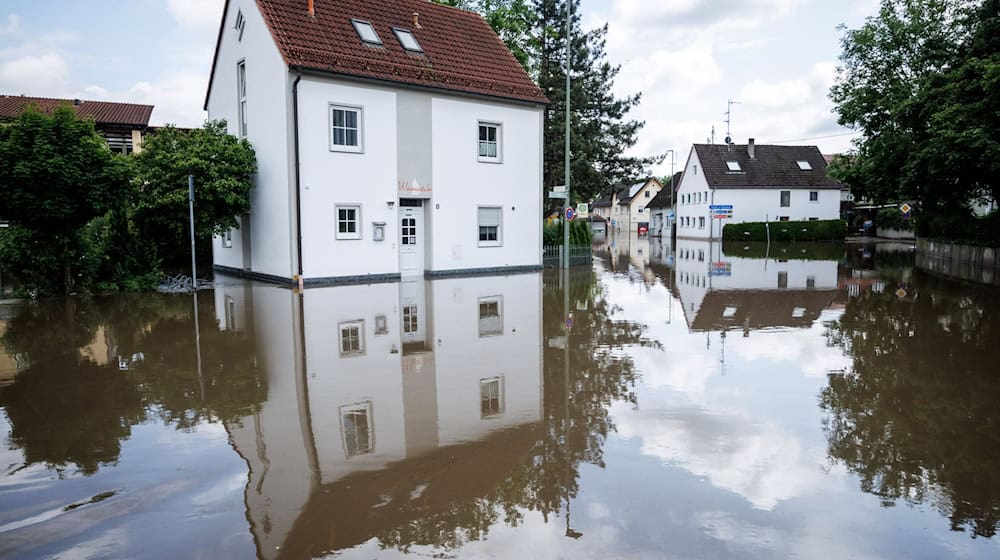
point(123, 124)
point(660, 206)
point(632, 213)
point(393, 138)
point(775, 183)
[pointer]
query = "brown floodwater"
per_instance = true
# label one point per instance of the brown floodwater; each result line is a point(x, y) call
point(695, 401)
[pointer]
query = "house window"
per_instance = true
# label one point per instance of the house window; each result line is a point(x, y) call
point(640, 210)
point(782, 279)
point(381, 325)
point(733, 165)
point(352, 338)
point(783, 218)
point(227, 239)
point(695, 169)
point(489, 226)
point(786, 199)
point(813, 196)
point(356, 427)
point(366, 32)
point(810, 281)
point(701, 222)
point(345, 129)
point(241, 23)
point(410, 319)
point(648, 194)
point(489, 142)
point(348, 222)
point(491, 397)
point(813, 219)
point(490, 316)
point(407, 39)
point(798, 312)
point(804, 165)
point(241, 93)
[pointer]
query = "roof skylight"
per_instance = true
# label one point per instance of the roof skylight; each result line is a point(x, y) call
point(407, 39)
point(804, 165)
point(733, 165)
point(367, 32)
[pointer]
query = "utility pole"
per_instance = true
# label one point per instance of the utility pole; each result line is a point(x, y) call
point(194, 268)
point(566, 205)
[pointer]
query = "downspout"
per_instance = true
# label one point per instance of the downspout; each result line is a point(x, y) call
point(298, 180)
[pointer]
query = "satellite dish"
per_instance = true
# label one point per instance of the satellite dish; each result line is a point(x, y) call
point(729, 140)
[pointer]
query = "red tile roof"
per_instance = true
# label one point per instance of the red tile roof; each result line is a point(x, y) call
point(461, 52)
point(103, 112)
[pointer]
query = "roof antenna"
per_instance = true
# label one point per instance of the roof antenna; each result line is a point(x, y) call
point(729, 120)
point(711, 139)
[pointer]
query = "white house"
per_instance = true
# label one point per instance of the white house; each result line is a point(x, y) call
point(760, 183)
point(393, 138)
point(625, 206)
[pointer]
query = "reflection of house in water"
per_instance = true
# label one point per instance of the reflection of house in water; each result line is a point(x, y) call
point(625, 252)
point(719, 292)
point(378, 394)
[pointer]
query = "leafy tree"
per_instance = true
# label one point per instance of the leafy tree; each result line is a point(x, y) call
point(56, 175)
point(920, 82)
point(223, 168)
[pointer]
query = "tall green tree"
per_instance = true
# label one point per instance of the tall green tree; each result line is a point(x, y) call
point(920, 82)
point(56, 175)
point(223, 167)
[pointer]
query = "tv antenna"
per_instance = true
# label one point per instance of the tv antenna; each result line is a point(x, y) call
point(729, 119)
point(711, 139)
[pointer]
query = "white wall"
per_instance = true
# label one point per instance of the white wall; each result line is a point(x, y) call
point(749, 205)
point(267, 110)
point(462, 183)
point(330, 178)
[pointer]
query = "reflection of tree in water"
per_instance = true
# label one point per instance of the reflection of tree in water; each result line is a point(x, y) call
point(575, 422)
point(918, 417)
point(71, 406)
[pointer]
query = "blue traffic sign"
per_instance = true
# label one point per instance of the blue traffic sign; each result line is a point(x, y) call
point(721, 207)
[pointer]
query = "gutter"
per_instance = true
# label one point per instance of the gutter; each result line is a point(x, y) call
point(298, 180)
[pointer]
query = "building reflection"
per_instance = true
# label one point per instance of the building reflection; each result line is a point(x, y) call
point(721, 289)
point(386, 403)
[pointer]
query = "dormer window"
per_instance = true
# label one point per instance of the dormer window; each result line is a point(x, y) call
point(241, 23)
point(804, 165)
point(407, 39)
point(367, 32)
point(733, 165)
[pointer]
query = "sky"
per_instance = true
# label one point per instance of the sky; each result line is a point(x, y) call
point(687, 58)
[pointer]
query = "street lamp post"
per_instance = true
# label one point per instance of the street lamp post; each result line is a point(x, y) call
point(566, 205)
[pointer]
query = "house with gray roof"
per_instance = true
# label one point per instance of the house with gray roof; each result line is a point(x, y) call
point(729, 184)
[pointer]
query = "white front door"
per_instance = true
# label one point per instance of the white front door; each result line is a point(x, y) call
point(411, 240)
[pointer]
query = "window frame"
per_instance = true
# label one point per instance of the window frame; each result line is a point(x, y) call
point(501, 404)
point(240, 25)
point(733, 166)
point(498, 300)
point(347, 236)
point(227, 239)
point(498, 242)
point(804, 165)
point(813, 194)
point(359, 22)
point(782, 196)
point(342, 412)
point(399, 31)
point(498, 126)
point(358, 324)
point(241, 98)
point(360, 129)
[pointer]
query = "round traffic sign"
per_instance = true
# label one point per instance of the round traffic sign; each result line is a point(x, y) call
point(570, 214)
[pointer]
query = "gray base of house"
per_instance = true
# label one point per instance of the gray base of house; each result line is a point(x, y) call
point(374, 278)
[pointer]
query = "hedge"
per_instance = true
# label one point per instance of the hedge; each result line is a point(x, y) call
point(784, 250)
point(819, 230)
point(579, 233)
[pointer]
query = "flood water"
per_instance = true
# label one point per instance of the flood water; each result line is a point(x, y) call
point(808, 401)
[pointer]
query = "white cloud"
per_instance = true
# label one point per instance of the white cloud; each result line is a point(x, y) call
point(12, 26)
point(44, 74)
point(178, 98)
point(196, 14)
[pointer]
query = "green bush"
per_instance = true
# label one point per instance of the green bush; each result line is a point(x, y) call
point(820, 230)
point(579, 234)
point(892, 218)
point(792, 251)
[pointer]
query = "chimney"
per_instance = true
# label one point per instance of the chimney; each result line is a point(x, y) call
point(751, 149)
point(312, 9)
point(76, 102)
point(416, 21)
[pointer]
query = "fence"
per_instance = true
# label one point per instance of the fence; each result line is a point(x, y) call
point(578, 255)
point(967, 262)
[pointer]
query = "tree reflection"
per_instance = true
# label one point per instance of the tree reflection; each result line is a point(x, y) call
point(918, 417)
point(575, 423)
point(95, 367)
